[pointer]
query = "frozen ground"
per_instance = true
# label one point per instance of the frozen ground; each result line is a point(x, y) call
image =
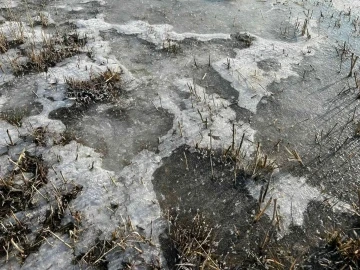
point(241, 111)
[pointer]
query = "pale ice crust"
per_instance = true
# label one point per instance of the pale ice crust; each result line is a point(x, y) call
point(133, 189)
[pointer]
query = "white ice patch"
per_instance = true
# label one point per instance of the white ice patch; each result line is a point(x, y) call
point(3, 100)
point(199, 115)
point(293, 195)
point(69, 8)
point(131, 189)
point(101, 2)
point(8, 3)
point(81, 68)
point(249, 80)
point(157, 34)
point(346, 5)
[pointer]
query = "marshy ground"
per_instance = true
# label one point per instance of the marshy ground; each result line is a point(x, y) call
point(179, 135)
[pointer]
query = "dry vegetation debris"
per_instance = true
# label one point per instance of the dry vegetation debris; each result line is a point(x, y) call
point(194, 241)
point(18, 190)
point(104, 86)
point(14, 116)
point(345, 249)
point(52, 50)
point(123, 238)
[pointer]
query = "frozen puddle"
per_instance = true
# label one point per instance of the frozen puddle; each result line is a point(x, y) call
point(176, 142)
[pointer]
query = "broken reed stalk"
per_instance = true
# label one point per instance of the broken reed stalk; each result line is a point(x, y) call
point(227, 63)
point(210, 155)
point(265, 191)
point(267, 237)
point(201, 117)
point(256, 158)
point(233, 137)
point(274, 211)
point(295, 156)
point(59, 238)
point(180, 129)
point(262, 211)
point(195, 64)
point(235, 171)
point(356, 81)
point(11, 141)
point(304, 28)
point(353, 117)
point(241, 143)
point(354, 58)
point(186, 162)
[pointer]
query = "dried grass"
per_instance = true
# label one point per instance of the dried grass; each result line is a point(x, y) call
point(13, 117)
point(346, 248)
point(16, 190)
point(101, 87)
point(122, 238)
point(194, 242)
point(53, 50)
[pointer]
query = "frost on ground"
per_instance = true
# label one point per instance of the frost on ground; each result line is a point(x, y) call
point(84, 215)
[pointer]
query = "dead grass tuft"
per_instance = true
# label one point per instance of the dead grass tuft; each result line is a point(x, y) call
point(18, 188)
point(244, 38)
point(256, 167)
point(17, 192)
point(53, 50)
point(122, 238)
point(65, 138)
point(13, 117)
point(346, 248)
point(39, 136)
point(3, 43)
point(194, 242)
point(44, 19)
point(170, 46)
point(18, 38)
point(101, 87)
point(14, 237)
